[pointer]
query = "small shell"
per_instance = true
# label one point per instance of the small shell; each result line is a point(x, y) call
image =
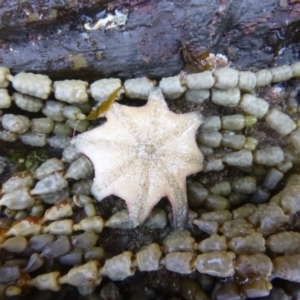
point(287, 242)
point(80, 168)
point(37, 210)
point(238, 227)
point(15, 244)
point(82, 187)
point(171, 87)
point(280, 122)
point(219, 216)
point(148, 258)
point(94, 253)
point(234, 141)
point(52, 183)
point(5, 99)
point(213, 243)
point(250, 244)
point(229, 98)
point(63, 227)
point(247, 81)
point(257, 289)
point(281, 73)
point(213, 163)
point(54, 110)
point(179, 240)
point(180, 262)
point(120, 220)
point(101, 89)
point(74, 257)
point(295, 139)
point(42, 125)
point(217, 263)
point(61, 129)
point(57, 248)
point(34, 263)
point(28, 103)
point(242, 158)
point(47, 281)
point(244, 185)
point(211, 123)
point(26, 227)
point(60, 210)
point(95, 224)
point(210, 138)
point(9, 274)
point(70, 154)
point(233, 122)
point(200, 81)
point(296, 69)
point(209, 227)
point(118, 267)
point(17, 181)
point(269, 156)
point(197, 96)
point(71, 91)
point(49, 166)
point(226, 78)
point(206, 151)
point(83, 276)
point(4, 77)
point(53, 198)
point(34, 139)
point(196, 194)
point(287, 267)
point(73, 113)
point(80, 125)
point(215, 202)
point(36, 85)
point(15, 123)
point(8, 136)
point(263, 77)
point(156, 219)
point(85, 240)
point(272, 179)
point(17, 199)
point(59, 141)
point(138, 88)
point(254, 106)
point(38, 242)
point(268, 219)
point(221, 189)
point(243, 212)
point(238, 199)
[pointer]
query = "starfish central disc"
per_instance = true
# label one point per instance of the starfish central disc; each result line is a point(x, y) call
point(142, 154)
point(147, 151)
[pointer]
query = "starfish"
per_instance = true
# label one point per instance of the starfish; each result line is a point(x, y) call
point(142, 154)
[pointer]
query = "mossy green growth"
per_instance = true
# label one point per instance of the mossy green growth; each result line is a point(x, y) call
point(27, 160)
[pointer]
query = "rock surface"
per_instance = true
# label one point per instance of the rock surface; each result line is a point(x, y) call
point(159, 38)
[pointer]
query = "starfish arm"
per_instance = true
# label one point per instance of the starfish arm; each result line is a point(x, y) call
point(111, 131)
point(106, 182)
point(141, 187)
point(177, 196)
point(180, 126)
point(185, 153)
point(149, 189)
point(184, 164)
point(146, 117)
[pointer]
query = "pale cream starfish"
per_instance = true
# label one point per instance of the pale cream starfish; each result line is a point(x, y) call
point(142, 154)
